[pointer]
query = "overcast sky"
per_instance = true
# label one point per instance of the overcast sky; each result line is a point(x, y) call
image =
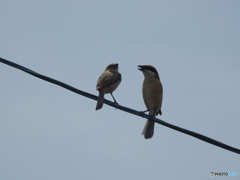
point(47, 132)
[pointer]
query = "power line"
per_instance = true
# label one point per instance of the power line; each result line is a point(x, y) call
point(123, 108)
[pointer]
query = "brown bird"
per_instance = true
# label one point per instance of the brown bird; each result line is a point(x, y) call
point(152, 91)
point(107, 83)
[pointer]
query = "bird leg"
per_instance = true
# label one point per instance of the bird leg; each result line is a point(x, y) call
point(144, 111)
point(114, 99)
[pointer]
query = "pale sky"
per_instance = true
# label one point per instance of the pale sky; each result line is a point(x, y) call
point(47, 132)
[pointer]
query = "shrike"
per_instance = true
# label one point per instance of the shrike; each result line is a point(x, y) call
point(107, 83)
point(152, 91)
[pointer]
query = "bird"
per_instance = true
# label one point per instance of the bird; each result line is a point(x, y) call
point(152, 92)
point(107, 83)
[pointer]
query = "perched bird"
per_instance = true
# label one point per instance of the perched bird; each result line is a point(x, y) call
point(152, 91)
point(107, 83)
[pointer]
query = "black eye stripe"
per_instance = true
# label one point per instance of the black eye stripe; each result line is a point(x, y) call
point(150, 68)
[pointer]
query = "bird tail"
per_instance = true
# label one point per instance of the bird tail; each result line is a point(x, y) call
point(100, 100)
point(148, 130)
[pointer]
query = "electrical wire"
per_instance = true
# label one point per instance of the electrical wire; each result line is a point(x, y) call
point(123, 108)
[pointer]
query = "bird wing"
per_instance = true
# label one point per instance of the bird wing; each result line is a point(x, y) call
point(106, 79)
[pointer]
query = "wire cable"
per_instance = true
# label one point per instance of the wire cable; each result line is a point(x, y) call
point(123, 108)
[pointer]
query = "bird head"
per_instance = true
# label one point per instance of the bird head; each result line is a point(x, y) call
point(148, 71)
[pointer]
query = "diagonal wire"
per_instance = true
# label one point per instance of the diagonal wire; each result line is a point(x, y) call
point(123, 108)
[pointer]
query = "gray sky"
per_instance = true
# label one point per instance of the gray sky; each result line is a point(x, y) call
point(47, 132)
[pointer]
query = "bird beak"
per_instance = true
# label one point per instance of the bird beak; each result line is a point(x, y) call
point(140, 68)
